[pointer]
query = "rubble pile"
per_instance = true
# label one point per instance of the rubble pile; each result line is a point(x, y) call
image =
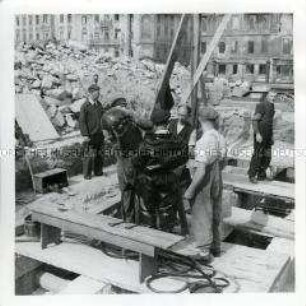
point(221, 88)
point(61, 74)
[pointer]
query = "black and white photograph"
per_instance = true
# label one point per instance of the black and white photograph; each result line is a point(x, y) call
point(152, 151)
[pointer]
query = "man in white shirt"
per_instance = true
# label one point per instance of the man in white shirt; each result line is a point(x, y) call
point(205, 190)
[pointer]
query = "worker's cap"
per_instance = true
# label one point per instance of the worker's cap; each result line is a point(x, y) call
point(118, 101)
point(160, 116)
point(93, 88)
point(208, 113)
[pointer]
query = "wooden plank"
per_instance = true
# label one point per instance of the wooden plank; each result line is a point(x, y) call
point(249, 269)
point(148, 266)
point(37, 126)
point(259, 222)
point(84, 285)
point(100, 223)
point(172, 57)
point(96, 233)
point(50, 172)
point(276, 189)
point(87, 261)
point(281, 246)
point(105, 205)
point(213, 43)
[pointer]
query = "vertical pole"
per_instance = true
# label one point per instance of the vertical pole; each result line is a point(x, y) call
point(195, 58)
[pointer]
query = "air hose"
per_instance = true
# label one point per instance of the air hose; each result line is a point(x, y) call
point(205, 281)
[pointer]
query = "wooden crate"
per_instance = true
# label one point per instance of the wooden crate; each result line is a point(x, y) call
point(50, 180)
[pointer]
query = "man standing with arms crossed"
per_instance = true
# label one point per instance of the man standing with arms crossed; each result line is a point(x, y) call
point(91, 129)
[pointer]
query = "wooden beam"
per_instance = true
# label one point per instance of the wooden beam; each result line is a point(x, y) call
point(248, 269)
point(257, 221)
point(273, 189)
point(213, 43)
point(172, 57)
point(139, 238)
point(85, 285)
point(195, 58)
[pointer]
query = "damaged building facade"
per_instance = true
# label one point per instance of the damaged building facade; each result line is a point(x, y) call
point(96, 31)
point(254, 47)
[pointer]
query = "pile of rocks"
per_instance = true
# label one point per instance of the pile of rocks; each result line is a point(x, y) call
point(221, 88)
point(61, 74)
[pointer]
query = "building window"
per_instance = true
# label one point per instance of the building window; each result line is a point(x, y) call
point(61, 35)
point(24, 34)
point(17, 35)
point(116, 53)
point(117, 31)
point(222, 69)
point(235, 69)
point(24, 20)
point(222, 47)
point(172, 33)
point(146, 26)
point(37, 36)
point(84, 34)
point(234, 47)
point(203, 47)
point(37, 19)
point(106, 35)
point(46, 35)
point(287, 46)
point(249, 69)
point(30, 36)
point(235, 23)
point(84, 19)
point(97, 18)
point(69, 18)
point(251, 20)
point(97, 35)
point(61, 18)
point(69, 33)
point(45, 18)
point(250, 47)
point(204, 24)
point(262, 69)
point(158, 30)
point(30, 19)
point(117, 17)
point(286, 70)
point(17, 20)
point(264, 45)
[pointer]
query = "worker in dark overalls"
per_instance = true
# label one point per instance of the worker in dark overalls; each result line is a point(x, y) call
point(157, 184)
point(127, 136)
point(91, 129)
point(263, 138)
point(205, 190)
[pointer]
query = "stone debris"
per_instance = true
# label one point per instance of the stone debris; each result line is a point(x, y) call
point(62, 73)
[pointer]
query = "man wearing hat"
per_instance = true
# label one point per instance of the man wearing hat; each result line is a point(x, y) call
point(205, 190)
point(91, 129)
point(263, 138)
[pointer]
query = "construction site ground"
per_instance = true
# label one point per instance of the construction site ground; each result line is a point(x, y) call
point(249, 269)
